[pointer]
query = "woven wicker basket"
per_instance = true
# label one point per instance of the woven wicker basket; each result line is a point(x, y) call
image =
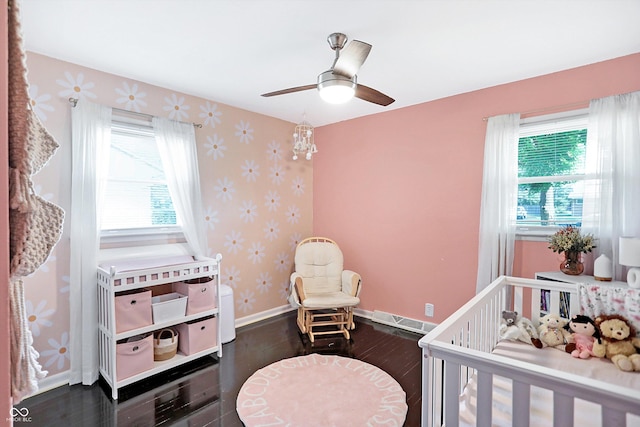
point(165, 344)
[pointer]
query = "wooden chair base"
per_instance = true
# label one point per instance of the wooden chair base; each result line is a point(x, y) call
point(340, 318)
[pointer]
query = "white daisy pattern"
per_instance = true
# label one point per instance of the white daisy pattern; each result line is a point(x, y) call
point(282, 262)
point(276, 173)
point(37, 317)
point(248, 211)
point(272, 200)
point(130, 97)
point(271, 230)
point(209, 112)
point(231, 277)
point(211, 218)
point(265, 281)
point(244, 132)
point(58, 353)
point(245, 301)
point(294, 240)
point(284, 290)
point(298, 186)
point(39, 103)
point(224, 189)
point(256, 252)
point(293, 215)
point(176, 107)
point(75, 87)
point(234, 242)
point(274, 151)
point(67, 287)
point(215, 146)
point(250, 171)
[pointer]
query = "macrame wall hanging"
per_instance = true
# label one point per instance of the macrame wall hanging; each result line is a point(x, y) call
point(35, 224)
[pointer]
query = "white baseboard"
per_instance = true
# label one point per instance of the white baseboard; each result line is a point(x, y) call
point(263, 315)
point(52, 381)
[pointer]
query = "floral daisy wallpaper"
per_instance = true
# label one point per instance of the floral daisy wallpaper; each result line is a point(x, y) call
point(257, 200)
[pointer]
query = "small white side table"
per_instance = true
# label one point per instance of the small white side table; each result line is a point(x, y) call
point(562, 304)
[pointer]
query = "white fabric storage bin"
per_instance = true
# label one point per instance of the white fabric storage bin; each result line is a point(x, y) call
point(202, 296)
point(168, 307)
point(134, 356)
point(133, 310)
point(198, 335)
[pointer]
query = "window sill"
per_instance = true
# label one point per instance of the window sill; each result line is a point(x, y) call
point(535, 234)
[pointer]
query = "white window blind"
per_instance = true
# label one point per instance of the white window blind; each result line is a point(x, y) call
point(137, 200)
point(551, 172)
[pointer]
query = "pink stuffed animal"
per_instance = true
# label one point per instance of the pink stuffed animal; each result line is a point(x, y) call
point(585, 333)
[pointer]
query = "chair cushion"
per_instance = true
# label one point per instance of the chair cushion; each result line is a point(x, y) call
point(320, 265)
point(330, 300)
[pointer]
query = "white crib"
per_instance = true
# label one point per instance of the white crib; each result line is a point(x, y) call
point(463, 348)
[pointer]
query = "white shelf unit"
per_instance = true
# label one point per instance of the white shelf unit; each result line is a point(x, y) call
point(561, 302)
point(111, 282)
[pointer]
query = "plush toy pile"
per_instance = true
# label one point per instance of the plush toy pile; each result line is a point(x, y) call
point(608, 336)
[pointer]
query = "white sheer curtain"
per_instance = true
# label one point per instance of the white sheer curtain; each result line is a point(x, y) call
point(177, 147)
point(499, 199)
point(91, 139)
point(612, 197)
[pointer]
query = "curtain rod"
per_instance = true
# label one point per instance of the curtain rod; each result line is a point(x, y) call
point(74, 102)
point(555, 108)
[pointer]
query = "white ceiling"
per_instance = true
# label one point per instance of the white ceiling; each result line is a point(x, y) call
point(231, 51)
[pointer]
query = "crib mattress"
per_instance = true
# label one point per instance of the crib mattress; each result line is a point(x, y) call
point(541, 404)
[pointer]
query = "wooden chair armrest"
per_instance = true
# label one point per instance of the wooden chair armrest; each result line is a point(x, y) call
point(356, 280)
point(300, 289)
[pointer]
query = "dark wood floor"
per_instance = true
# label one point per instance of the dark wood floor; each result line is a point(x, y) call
point(203, 393)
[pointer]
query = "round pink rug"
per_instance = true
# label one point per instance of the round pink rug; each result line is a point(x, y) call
point(317, 390)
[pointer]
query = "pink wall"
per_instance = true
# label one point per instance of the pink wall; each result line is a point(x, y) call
point(5, 379)
point(400, 190)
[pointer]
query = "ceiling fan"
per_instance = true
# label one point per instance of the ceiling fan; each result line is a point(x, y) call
point(339, 84)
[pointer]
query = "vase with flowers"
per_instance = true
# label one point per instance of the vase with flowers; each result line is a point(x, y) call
point(572, 244)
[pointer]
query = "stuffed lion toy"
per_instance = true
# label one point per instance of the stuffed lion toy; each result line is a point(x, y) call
point(618, 342)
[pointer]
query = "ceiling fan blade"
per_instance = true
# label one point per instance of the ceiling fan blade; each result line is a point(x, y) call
point(368, 94)
point(290, 90)
point(351, 58)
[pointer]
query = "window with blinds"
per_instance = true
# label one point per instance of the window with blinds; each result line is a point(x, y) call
point(551, 172)
point(137, 199)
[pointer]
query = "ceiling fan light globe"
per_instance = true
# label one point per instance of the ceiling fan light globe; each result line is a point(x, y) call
point(337, 94)
point(308, 156)
point(336, 89)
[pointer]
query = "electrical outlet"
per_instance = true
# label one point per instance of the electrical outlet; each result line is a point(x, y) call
point(428, 310)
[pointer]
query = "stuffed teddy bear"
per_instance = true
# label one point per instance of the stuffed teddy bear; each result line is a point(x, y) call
point(516, 328)
point(618, 342)
point(552, 332)
point(584, 332)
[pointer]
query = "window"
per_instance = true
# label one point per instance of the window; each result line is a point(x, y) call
point(551, 172)
point(137, 199)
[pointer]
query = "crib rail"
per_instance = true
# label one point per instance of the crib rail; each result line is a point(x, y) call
point(461, 346)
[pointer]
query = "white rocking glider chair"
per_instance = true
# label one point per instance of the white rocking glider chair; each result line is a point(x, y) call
point(321, 290)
